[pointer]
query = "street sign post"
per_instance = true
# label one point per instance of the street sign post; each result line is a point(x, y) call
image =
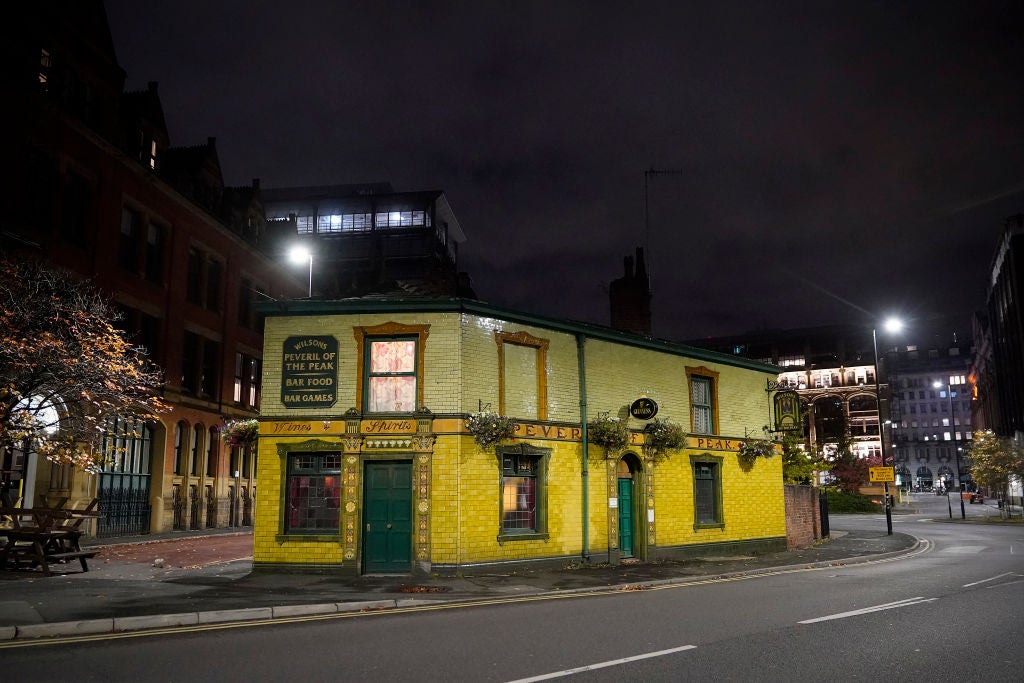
point(881, 474)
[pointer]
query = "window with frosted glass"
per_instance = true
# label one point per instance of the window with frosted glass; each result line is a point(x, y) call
point(519, 493)
point(703, 414)
point(391, 377)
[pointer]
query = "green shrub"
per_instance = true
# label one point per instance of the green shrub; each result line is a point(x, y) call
point(842, 501)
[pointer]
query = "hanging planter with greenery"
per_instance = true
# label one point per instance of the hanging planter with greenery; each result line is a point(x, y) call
point(751, 449)
point(607, 431)
point(663, 435)
point(489, 428)
point(240, 433)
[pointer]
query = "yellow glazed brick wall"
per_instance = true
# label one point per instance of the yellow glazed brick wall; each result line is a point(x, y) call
point(466, 505)
point(269, 515)
point(480, 367)
point(617, 374)
point(753, 502)
point(441, 374)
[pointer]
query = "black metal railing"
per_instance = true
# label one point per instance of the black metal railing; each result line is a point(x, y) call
point(123, 512)
point(195, 515)
point(178, 506)
point(211, 508)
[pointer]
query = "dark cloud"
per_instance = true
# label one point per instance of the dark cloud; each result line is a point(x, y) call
point(872, 148)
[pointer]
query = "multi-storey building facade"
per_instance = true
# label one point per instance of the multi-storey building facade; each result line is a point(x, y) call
point(1002, 366)
point(931, 416)
point(101, 192)
point(369, 239)
point(832, 370)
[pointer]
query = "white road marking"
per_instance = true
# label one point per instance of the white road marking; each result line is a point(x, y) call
point(602, 665)
point(998, 576)
point(963, 549)
point(877, 608)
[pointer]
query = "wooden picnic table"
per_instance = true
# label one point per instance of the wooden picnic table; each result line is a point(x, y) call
point(41, 535)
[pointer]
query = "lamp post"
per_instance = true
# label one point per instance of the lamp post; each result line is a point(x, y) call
point(301, 254)
point(891, 325)
point(956, 450)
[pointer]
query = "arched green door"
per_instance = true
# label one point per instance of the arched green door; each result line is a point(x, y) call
point(626, 517)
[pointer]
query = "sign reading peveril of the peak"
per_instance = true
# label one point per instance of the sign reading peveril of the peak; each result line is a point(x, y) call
point(309, 372)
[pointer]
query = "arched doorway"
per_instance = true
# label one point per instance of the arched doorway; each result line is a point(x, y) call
point(629, 500)
point(924, 478)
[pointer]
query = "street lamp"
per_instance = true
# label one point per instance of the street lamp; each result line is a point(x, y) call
point(952, 427)
point(891, 325)
point(300, 254)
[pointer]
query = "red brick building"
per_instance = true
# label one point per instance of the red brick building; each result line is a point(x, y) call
point(96, 188)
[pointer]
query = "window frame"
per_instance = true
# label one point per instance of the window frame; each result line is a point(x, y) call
point(716, 462)
point(541, 457)
point(318, 471)
point(385, 331)
point(540, 345)
point(703, 374)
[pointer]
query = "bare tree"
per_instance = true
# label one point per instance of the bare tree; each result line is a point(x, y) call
point(65, 370)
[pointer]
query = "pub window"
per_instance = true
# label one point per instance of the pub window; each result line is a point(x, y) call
point(523, 470)
point(702, 390)
point(391, 375)
point(313, 493)
point(518, 493)
point(707, 492)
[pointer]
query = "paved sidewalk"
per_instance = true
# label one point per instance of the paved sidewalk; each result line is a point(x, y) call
point(171, 580)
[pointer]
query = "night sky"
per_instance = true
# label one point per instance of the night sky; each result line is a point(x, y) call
point(823, 162)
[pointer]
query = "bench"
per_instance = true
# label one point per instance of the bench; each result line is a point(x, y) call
point(52, 536)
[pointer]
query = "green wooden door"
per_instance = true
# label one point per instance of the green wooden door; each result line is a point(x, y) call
point(626, 517)
point(387, 517)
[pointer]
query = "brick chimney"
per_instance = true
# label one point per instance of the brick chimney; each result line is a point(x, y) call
point(630, 297)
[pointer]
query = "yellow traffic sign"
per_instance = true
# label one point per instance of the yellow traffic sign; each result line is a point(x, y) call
point(881, 474)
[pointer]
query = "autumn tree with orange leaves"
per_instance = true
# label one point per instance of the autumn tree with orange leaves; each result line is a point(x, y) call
point(65, 370)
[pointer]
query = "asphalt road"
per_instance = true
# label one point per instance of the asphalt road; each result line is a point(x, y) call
point(951, 611)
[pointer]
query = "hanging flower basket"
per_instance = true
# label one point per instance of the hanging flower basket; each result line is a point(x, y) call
point(489, 428)
point(240, 433)
point(752, 449)
point(607, 431)
point(663, 435)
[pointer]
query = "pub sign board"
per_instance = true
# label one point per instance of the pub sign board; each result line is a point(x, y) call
point(309, 372)
point(643, 408)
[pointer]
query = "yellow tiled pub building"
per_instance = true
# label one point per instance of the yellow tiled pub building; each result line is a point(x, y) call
point(367, 464)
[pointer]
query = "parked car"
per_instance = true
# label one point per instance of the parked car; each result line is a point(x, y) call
point(977, 497)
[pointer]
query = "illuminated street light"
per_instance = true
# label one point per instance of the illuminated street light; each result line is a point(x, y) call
point(891, 325)
point(300, 254)
point(959, 475)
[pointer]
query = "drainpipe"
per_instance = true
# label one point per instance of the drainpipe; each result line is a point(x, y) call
point(580, 341)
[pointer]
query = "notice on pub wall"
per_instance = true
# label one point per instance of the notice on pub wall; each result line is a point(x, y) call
point(309, 372)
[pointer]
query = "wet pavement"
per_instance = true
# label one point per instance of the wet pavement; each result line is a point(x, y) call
point(210, 573)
